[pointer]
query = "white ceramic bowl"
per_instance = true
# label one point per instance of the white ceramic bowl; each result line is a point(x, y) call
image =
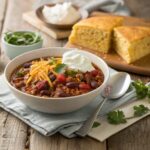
point(14, 50)
point(55, 105)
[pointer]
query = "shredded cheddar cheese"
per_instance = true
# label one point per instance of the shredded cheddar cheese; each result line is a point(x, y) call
point(40, 68)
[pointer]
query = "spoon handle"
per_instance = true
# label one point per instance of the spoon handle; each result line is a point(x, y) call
point(84, 130)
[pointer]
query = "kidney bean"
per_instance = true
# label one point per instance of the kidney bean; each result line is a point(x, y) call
point(61, 93)
point(52, 77)
point(94, 84)
point(27, 65)
point(94, 72)
point(72, 84)
point(42, 85)
point(84, 86)
point(45, 92)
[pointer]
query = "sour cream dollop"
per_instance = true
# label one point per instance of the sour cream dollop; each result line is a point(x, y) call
point(61, 13)
point(77, 61)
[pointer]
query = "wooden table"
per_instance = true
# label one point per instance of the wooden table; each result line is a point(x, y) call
point(15, 135)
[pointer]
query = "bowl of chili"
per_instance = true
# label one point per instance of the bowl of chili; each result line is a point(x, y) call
point(42, 82)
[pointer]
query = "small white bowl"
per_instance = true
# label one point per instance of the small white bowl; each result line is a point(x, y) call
point(55, 105)
point(14, 50)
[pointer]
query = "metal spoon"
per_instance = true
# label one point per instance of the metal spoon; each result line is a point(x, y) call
point(117, 87)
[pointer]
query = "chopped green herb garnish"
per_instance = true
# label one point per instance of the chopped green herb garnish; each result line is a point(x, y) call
point(60, 68)
point(22, 38)
point(52, 61)
point(20, 74)
point(142, 90)
point(96, 124)
point(70, 72)
point(116, 117)
point(140, 110)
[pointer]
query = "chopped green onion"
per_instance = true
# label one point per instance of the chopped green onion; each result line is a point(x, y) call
point(22, 38)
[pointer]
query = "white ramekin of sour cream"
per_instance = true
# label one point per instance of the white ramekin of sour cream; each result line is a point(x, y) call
point(61, 13)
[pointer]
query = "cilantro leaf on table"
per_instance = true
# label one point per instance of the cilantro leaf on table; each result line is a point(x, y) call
point(140, 110)
point(60, 68)
point(116, 117)
point(96, 124)
point(141, 89)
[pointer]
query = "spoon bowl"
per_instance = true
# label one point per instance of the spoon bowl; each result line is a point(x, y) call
point(118, 85)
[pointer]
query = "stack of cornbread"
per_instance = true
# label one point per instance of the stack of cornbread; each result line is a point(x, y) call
point(107, 32)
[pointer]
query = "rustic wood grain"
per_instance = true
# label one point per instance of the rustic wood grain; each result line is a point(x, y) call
point(136, 137)
point(58, 142)
point(13, 133)
point(32, 19)
point(3, 5)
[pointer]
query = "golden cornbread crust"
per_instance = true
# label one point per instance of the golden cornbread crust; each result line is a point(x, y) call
point(132, 43)
point(95, 32)
point(103, 22)
point(133, 33)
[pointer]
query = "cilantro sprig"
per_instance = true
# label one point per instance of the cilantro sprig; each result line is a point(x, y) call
point(142, 90)
point(60, 68)
point(118, 117)
point(140, 110)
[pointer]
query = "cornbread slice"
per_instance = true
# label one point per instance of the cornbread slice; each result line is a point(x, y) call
point(132, 43)
point(95, 32)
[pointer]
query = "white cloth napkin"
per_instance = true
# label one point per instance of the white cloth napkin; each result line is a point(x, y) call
point(48, 124)
point(112, 6)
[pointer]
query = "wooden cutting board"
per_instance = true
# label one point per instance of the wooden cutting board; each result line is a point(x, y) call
point(141, 66)
point(32, 19)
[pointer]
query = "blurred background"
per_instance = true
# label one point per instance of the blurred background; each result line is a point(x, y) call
point(140, 8)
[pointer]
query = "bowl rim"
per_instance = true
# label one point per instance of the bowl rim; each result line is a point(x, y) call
point(106, 78)
point(22, 46)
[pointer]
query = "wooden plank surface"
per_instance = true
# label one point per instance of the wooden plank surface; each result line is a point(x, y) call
point(32, 19)
point(58, 142)
point(136, 137)
point(15, 135)
point(3, 5)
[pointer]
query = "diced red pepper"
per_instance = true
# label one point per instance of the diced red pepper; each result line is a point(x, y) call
point(84, 86)
point(61, 78)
